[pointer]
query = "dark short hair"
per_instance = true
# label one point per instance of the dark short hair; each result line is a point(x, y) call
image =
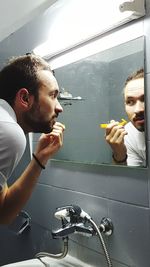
point(135, 75)
point(21, 72)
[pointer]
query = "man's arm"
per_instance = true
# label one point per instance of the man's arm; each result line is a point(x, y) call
point(12, 199)
point(114, 136)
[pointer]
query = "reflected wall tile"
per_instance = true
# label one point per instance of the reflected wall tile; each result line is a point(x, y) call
point(36, 136)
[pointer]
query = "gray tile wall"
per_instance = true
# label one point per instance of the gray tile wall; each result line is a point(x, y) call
point(121, 193)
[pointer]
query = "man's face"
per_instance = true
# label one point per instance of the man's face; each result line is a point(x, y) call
point(43, 113)
point(134, 102)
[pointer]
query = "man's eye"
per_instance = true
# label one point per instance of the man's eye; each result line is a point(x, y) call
point(130, 102)
point(54, 94)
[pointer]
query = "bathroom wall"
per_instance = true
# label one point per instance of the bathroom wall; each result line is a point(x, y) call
point(121, 193)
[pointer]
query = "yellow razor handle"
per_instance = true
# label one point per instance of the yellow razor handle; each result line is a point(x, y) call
point(123, 122)
point(104, 125)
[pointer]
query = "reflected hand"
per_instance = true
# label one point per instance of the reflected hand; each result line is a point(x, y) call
point(50, 143)
point(114, 136)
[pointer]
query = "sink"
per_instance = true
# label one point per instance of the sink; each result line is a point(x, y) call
point(68, 261)
point(27, 263)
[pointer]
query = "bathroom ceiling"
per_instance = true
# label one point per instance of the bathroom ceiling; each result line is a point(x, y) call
point(16, 13)
point(26, 24)
point(21, 33)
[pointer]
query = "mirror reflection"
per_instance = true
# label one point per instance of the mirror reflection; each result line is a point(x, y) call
point(103, 100)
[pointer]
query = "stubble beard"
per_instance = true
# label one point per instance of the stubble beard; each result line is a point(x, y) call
point(139, 127)
point(35, 122)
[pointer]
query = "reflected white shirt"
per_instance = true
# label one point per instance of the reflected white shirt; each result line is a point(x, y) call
point(136, 148)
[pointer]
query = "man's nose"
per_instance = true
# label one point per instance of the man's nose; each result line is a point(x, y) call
point(139, 107)
point(59, 108)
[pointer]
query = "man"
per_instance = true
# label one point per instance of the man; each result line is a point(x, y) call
point(28, 103)
point(128, 142)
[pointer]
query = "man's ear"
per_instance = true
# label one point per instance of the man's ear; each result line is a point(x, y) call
point(24, 98)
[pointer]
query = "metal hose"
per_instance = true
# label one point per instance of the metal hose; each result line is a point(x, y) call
point(102, 242)
point(55, 256)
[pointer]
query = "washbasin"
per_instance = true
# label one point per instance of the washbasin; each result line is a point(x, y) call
point(68, 261)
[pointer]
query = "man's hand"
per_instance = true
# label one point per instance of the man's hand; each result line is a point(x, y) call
point(50, 143)
point(114, 136)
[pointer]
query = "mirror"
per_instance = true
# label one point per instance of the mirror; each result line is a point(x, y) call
point(91, 94)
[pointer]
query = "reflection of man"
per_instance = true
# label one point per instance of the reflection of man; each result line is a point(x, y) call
point(128, 142)
point(28, 103)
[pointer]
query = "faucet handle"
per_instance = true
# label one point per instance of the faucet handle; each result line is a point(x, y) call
point(61, 213)
point(70, 228)
point(63, 232)
point(72, 213)
point(68, 214)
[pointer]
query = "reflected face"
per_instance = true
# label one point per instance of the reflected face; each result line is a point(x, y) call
point(43, 113)
point(134, 102)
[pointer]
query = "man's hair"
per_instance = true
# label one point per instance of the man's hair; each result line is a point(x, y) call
point(21, 72)
point(135, 75)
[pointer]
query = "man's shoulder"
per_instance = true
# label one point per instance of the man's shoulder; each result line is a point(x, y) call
point(7, 113)
point(10, 128)
point(129, 127)
point(12, 146)
point(133, 135)
point(12, 135)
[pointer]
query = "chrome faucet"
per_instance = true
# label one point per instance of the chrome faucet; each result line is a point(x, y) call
point(75, 220)
point(70, 228)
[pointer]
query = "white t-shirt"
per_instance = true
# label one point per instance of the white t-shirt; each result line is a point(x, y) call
point(136, 148)
point(12, 139)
